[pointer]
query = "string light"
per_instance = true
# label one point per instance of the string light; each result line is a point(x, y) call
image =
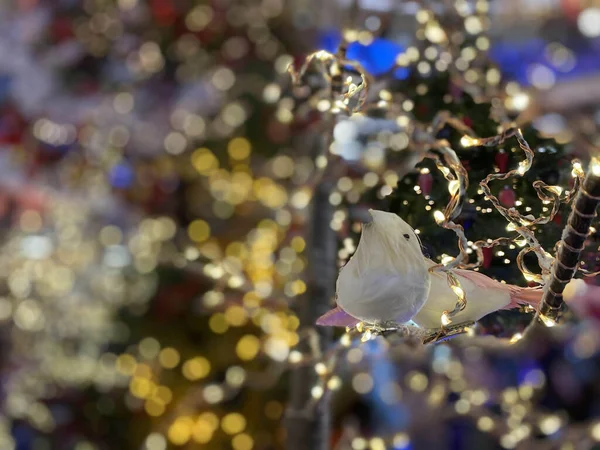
point(439, 217)
point(468, 141)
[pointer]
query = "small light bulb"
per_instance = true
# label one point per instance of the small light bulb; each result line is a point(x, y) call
point(320, 368)
point(334, 383)
point(556, 189)
point(520, 242)
point(446, 259)
point(453, 186)
point(446, 319)
point(577, 170)
point(295, 357)
point(468, 141)
point(366, 336)
point(547, 321)
point(458, 291)
point(595, 165)
point(346, 340)
point(439, 217)
point(516, 337)
point(529, 277)
point(317, 392)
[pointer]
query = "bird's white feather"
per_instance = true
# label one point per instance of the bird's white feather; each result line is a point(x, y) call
point(386, 279)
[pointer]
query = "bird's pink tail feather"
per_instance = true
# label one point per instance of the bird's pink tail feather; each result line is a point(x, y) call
point(337, 317)
point(524, 296)
point(518, 295)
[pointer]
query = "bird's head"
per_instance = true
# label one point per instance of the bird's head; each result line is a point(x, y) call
point(396, 231)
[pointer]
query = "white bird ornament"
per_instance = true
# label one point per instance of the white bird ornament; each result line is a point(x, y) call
point(388, 280)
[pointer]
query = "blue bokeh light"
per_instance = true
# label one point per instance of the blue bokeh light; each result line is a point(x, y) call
point(121, 175)
point(515, 61)
point(377, 58)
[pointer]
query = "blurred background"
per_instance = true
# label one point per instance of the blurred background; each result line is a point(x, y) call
point(174, 212)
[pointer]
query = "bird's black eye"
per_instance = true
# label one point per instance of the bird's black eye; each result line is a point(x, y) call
point(406, 236)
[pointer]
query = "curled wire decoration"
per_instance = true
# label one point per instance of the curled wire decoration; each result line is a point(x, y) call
point(547, 194)
point(528, 274)
point(332, 67)
point(461, 302)
point(448, 163)
point(478, 246)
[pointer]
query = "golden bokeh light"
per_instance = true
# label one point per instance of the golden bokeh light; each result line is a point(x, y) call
point(233, 423)
point(169, 357)
point(247, 347)
point(196, 368)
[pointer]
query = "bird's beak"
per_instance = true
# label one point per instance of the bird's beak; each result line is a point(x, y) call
point(370, 218)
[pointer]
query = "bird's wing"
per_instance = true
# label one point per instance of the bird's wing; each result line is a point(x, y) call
point(484, 295)
point(379, 296)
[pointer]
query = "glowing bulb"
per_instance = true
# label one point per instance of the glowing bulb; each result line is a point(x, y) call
point(334, 383)
point(468, 141)
point(295, 357)
point(346, 340)
point(516, 337)
point(317, 392)
point(439, 217)
point(556, 189)
point(529, 277)
point(366, 336)
point(446, 259)
point(453, 186)
point(511, 227)
point(425, 170)
point(458, 291)
point(320, 368)
point(520, 242)
point(595, 165)
point(547, 321)
point(446, 319)
point(445, 171)
point(520, 101)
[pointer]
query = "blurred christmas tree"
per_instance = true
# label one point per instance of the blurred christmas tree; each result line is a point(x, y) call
point(169, 109)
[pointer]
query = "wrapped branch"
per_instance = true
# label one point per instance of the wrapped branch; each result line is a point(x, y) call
point(583, 211)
